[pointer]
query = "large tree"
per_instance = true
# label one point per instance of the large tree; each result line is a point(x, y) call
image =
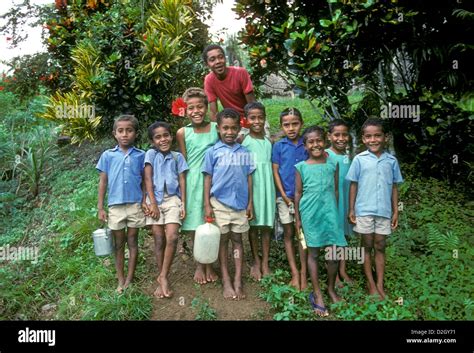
point(396, 52)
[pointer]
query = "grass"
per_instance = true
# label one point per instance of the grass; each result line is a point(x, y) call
point(68, 274)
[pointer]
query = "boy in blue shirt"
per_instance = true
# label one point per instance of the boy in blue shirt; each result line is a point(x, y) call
point(165, 183)
point(286, 153)
point(373, 199)
point(228, 195)
point(121, 172)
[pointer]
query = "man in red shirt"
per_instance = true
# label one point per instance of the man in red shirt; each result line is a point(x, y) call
point(231, 85)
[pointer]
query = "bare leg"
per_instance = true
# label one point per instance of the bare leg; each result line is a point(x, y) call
point(238, 255)
point(303, 272)
point(343, 273)
point(132, 242)
point(255, 271)
point(266, 234)
point(120, 239)
point(200, 273)
point(379, 245)
point(160, 243)
point(332, 271)
point(288, 233)
point(229, 292)
point(313, 272)
point(368, 244)
point(170, 250)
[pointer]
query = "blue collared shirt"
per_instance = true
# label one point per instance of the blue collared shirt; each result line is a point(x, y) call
point(286, 154)
point(165, 172)
point(374, 177)
point(124, 174)
point(229, 167)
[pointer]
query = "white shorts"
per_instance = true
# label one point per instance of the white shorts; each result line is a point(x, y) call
point(284, 212)
point(373, 224)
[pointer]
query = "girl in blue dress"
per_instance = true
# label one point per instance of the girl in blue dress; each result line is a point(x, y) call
point(316, 212)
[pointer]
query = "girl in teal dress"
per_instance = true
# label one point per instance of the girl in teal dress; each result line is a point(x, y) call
point(316, 212)
point(264, 195)
point(339, 137)
point(193, 141)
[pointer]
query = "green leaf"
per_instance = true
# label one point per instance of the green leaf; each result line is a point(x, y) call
point(325, 23)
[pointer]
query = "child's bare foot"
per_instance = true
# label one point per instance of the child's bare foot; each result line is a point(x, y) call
point(345, 277)
point(211, 275)
point(304, 282)
point(266, 270)
point(374, 292)
point(295, 281)
point(163, 281)
point(317, 303)
point(381, 292)
point(255, 272)
point(120, 288)
point(228, 291)
point(199, 275)
point(334, 297)
point(339, 283)
point(159, 292)
point(239, 290)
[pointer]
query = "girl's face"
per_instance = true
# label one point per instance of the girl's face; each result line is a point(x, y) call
point(256, 119)
point(339, 138)
point(314, 145)
point(291, 125)
point(196, 110)
point(162, 139)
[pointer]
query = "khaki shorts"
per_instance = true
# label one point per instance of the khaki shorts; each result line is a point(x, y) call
point(126, 215)
point(284, 212)
point(373, 224)
point(228, 219)
point(170, 209)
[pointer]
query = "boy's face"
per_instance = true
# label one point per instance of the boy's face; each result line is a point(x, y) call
point(216, 61)
point(125, 133)
point(228, 130)
point(256, 119)
point(196, 110)
point(291, 125)
point(339, 138)
point(315, 144)
point(162, 139)
point(374, 139)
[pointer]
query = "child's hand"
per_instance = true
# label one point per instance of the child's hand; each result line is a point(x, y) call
point(208, 212)
point(154, 211)
point(287, 200)
point(395, 220)
point(102, 215)
point(145, 209)
point(182, 212)
point(250, 212)
point(352, 217)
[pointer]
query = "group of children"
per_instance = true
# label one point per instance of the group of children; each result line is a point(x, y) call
point(315, 191)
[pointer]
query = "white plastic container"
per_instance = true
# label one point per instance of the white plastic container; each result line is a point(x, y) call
point(206, 243)
point(103, 241)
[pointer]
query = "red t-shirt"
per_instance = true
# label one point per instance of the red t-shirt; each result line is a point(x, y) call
point(231, 91)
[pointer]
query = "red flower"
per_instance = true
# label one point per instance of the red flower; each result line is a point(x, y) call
point(2, 88)
point(178, 107)
point(244, 122)
point(144, 37)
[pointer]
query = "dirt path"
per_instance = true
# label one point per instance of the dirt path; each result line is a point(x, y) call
point(185, 290)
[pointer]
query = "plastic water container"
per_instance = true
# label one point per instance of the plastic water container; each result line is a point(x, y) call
point(206, 242)
point(103, 241)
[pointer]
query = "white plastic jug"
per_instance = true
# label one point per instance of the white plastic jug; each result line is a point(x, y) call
point(206, 242)
point(103, 241)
